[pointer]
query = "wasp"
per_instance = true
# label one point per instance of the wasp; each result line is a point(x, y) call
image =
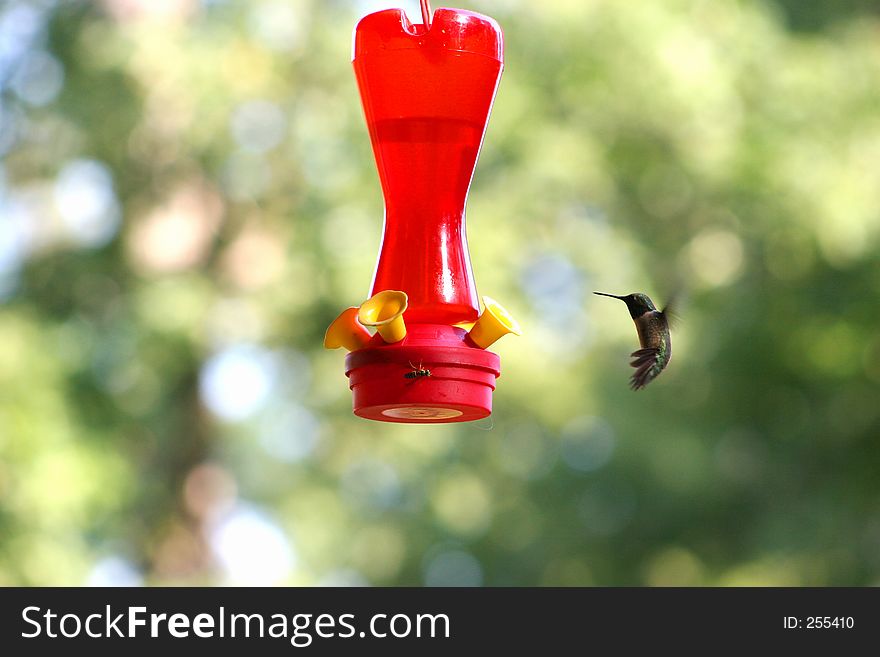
point(417, 372)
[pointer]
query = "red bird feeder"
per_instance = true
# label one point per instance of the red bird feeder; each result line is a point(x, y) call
point(427, 90)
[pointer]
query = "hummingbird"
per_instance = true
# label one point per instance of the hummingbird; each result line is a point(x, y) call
point(653, 328)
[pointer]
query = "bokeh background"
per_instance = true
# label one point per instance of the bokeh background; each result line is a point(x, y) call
point(188, 198)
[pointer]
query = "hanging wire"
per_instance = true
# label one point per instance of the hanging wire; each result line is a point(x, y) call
point(426, 14)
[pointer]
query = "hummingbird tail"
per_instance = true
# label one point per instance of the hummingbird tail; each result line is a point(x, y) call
point(647, 367)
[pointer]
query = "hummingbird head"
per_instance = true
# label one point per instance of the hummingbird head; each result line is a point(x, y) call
point(637, 302)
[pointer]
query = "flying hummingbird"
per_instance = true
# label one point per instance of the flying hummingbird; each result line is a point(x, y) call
point(653, 328)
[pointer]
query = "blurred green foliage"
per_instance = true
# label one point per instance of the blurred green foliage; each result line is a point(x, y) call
point(188, 197)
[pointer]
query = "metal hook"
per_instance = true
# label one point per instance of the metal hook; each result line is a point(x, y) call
point(426, 14)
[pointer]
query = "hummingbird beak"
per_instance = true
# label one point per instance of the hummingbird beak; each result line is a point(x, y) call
point(605, 294)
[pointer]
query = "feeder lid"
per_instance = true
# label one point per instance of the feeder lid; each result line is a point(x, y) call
point(455, 385)
point(451, 29)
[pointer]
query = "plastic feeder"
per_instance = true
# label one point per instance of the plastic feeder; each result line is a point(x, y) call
point(427, 90)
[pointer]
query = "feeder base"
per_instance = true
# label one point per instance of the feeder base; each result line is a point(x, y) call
point(389, 381)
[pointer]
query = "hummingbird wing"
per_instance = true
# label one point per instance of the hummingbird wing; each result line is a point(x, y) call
point(672, 309)
point(647, 364)
point(673, 318)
